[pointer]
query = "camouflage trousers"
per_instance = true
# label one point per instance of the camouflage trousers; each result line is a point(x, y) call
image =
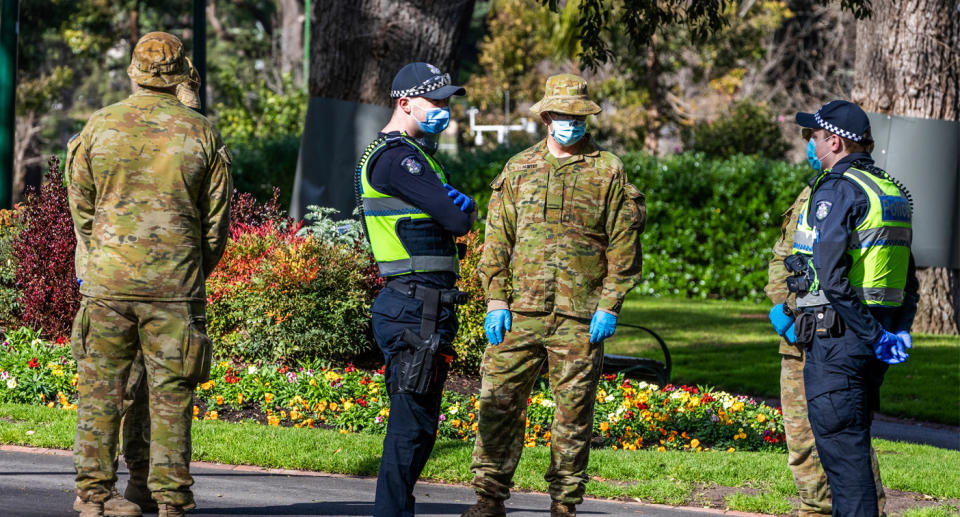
point(803, 460)
point(107, 336)
point(509, 371)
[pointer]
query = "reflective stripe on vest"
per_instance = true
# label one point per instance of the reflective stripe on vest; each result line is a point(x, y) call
point(383, 212)
point(879, 248)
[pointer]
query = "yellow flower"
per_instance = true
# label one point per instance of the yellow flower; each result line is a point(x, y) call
point(455, 423)
point(347, 405)
point(219, 400)
point(213, 415)
point(662, 449)
point(313, 382)
point(240, 399)
point(272, 420)
point(268, 397)
point(196, 411)
point(50, 404)
point(604, 427)
point(761, 418)
point(223, 364)
point(321, 406)
point(333, 406)
point(694, 443)
point(731, 449)
point(385, 412)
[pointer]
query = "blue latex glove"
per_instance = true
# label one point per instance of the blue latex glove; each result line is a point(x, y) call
point(886, 349)
point(904, 342)
point(602, 326)
point(791, 334)
point(495, 324)
point(780, 321)
point(461, 200)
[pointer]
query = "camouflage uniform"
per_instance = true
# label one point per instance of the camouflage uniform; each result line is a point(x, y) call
point(149, 188)
point(562, 240)
point(803, 459)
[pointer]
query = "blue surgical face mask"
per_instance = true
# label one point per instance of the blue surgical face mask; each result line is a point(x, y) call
point(435, 119)
point(568, 132)
point(812, 155)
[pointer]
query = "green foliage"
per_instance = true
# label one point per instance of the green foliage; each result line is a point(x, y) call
point(471, 341)
point(262, 127)
point(711, 223)
point(346, 232)
point(748, 129)
point(10, 309)
point(279, 296)
point(472, 172)
point(34, 371)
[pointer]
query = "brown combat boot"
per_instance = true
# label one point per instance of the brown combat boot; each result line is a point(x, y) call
point(558, 509)
point(170, 510)
point(486, 507)
point(140, 494)
point(115, 506)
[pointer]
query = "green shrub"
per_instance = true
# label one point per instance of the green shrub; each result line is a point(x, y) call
point(748, 129)
point(277, 295)
point(471, 340)
point(711, 223)
point(472, 172)
point(10, 309)
point(260, 164)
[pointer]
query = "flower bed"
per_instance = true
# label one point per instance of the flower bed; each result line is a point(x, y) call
point(629, 415)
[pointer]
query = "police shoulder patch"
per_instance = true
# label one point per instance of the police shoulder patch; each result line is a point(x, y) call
point(412, 165)
point(823, 208)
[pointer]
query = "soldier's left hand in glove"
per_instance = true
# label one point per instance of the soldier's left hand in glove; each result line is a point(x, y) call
point(602, 326)
point(460, 199)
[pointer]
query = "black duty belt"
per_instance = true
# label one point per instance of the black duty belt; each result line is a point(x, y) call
point(432, 300)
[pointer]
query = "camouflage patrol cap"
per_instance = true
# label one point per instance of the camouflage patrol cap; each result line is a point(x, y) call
point(158, 61)
point(566, 93)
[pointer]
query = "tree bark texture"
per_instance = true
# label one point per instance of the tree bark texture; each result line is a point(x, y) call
point(908, 64)
point(291, 37)
point(356, 47)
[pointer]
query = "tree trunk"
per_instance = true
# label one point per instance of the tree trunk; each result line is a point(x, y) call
point(357, 47)
point(291, 38)
point(908, 64)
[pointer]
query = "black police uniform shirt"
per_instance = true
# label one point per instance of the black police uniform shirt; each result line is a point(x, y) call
point(403, 172)
point(836, 208)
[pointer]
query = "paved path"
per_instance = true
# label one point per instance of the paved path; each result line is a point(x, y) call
point(40, 483)
point(945, 437)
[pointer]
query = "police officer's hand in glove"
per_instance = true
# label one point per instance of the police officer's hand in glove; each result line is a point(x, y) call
point(904, 342)
point(461, 200)
point(602, 326)
point(885, 349)
point(496, 322)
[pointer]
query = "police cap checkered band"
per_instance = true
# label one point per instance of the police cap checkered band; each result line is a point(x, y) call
point(836, 130)
point(428, 85)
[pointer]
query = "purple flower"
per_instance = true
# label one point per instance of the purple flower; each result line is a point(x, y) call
point(714, 418)
point(443, 417)
point(291, 377)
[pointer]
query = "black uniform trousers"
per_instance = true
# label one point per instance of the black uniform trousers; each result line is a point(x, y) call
point(842, 381)
point(412, 427)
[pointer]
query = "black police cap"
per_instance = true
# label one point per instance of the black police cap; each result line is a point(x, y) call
point(423, 80)
point(839, 117)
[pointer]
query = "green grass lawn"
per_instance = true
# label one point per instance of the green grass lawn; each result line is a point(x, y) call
point(731, 345)
point(661, 477)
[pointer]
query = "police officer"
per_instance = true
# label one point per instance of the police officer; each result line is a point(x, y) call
point(562, 249)
point(412, 217)
point(855, 294)
point(151, 214)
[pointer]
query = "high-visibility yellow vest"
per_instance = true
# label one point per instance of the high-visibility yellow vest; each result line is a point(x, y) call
point(404, 238)
point(879, 248)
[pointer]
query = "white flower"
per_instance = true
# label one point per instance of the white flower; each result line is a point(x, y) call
point(609, 398)
point(547, 403)
point(643, 385)
point(676, 395)
point(251, 370)
point(11, 383)
point(454, 409)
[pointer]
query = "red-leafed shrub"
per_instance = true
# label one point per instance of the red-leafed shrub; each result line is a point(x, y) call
point(245, 211)
point(44, 252)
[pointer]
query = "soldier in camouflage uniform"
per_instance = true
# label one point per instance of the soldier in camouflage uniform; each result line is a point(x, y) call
point(149, 187)
point(802, 458)
point(562, 246)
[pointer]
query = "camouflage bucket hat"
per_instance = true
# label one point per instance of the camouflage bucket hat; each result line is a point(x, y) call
point(566, 93)
point(158, 61)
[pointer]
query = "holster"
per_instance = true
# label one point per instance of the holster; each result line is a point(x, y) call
point(423, 363)
point(805, 327)
point(822, 322)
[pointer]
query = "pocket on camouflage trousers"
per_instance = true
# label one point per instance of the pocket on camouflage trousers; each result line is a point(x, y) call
point(78, 334)
point(198, 350)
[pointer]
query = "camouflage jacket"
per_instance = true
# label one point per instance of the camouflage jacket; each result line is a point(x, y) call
point(149, 186)
point(565, 237)
point(777, 274)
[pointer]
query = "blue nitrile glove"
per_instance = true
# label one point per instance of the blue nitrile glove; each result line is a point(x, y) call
point(602, 326)
point(884, 348)
point(904, 342)
point(791, 334)
point(79, 282)
point(461, 200)
point(781, 322)
point(495, 324)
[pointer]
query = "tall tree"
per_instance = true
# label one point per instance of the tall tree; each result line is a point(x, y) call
point(908, 64)
point(358, 46)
